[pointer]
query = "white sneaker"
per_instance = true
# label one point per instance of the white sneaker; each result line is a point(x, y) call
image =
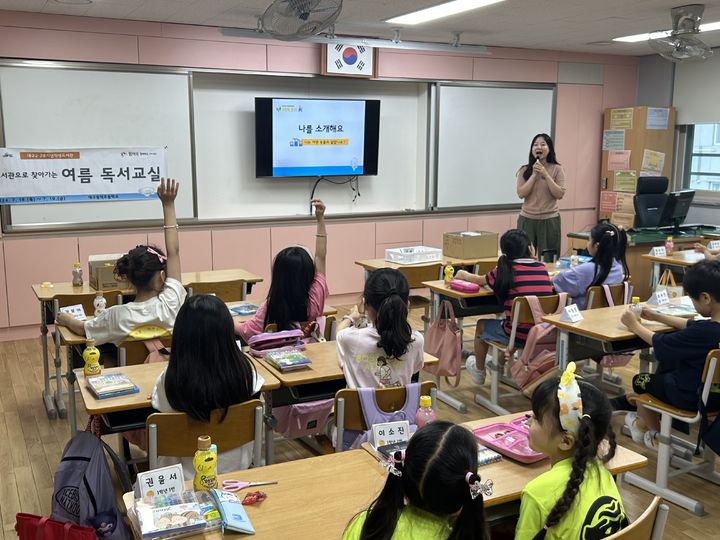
point(477, 375)
point(636, 433)
point(649, 439)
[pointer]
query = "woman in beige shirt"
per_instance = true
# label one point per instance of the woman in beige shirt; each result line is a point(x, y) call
point(541, 183)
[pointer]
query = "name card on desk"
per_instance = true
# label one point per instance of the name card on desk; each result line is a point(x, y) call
point(659, 298)
point(163, 481)
point(76, 311)
point(571, 314)
point(390, 433)
point(715, 244)
point(658, 251)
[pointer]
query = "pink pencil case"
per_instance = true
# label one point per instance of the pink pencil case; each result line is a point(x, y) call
point(464, 286)
point(510, 440)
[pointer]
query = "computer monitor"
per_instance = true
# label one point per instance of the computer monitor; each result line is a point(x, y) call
point(676, 209)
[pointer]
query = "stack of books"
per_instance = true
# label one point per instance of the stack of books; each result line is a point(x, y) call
point(289, 360)
point(111, 385)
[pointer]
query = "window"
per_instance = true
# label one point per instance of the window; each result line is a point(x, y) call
point(702, 158)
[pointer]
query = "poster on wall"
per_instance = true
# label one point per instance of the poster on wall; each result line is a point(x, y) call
point(34, 176)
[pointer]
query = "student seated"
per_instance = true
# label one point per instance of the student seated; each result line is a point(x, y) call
point(206, 371)
point(298, 289)
point(517, 273)
point(156, 278)
point(387, 352)
point(680, 355)
point(433, 491)
point(606, 246)
point(577, 497)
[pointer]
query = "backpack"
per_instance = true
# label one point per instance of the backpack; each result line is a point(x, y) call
point(373, 414)
point(83, 488)
point(622, 359)
point(537, 358)
point(443, 340)
point(303, 419)
point(157, 351)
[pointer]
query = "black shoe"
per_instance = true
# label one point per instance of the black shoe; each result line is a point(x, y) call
point(622, 403)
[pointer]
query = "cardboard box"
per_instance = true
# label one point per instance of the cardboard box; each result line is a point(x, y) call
point(470, 244)
point(100, 271)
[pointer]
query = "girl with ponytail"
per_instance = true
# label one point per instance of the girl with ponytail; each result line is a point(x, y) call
point(517, 274)
point(606, 245)
point(432, 491)
point(386, 352)
point(577, 497)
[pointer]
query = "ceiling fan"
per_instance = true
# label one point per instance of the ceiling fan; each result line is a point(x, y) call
point(682, 44)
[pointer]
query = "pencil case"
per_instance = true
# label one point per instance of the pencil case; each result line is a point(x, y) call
point(508, 439)
point(464, 286)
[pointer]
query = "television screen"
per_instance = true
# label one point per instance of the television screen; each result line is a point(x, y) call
point(316, 137)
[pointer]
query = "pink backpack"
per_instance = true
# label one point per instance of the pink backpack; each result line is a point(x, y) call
point(444, 341)
point(261, 344)
point(537, 357)
point(303, 419)
point(622, 359)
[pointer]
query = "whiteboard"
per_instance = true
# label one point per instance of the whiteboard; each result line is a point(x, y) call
point(66, 108)
point(484, 137)
point(224, 123)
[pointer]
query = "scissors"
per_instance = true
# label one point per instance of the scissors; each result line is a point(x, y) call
point(237, 485)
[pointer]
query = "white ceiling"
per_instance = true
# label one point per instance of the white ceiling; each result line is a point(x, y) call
point(565, 25)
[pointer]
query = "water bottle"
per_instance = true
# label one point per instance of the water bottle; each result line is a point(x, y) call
point(449, 273)
point(669, 245)
point(100, 304)
point(77, 279)
point(635, 307)
point(205, 465)
point(425, 414)
point(91, 357)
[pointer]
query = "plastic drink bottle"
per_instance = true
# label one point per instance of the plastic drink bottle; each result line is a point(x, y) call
point(669, 245)
point(425, 414)
point(91, 357)
point(77, 278)
point(205, 464)
point(449, 273)
point(635, 306)
point(100, 304)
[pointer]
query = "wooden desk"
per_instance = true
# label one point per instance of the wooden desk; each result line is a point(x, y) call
point(417, 273)
point(327, 312)
point(54, 404)
point(600, 332)
point(314, 498)
point(679, 259)
point(510, 477)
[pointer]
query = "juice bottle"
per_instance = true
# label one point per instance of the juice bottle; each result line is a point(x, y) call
point(100, 303)
point(77, 278)
point(91, 357)
point(425, 414)
point(635, 306)
point(669, 245)
point(449, 273)
point(205, 464)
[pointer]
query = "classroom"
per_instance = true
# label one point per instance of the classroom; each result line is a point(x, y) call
point(557, 160)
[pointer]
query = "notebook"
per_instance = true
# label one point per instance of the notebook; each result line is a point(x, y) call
point(243, 309)
point(170, 515)
point(111, 385)
point(287, 360)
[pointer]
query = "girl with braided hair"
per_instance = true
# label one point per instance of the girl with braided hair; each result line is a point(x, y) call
point(577, 498)
point(432, 491)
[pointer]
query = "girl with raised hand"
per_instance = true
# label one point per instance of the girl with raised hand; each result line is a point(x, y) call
point(387, 352)
point(433, 491)
point(577, 497)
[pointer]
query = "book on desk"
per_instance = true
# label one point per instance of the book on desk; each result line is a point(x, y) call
point(289, 360)
point(111, 385)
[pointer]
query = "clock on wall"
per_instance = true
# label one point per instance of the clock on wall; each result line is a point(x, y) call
point(348, 60)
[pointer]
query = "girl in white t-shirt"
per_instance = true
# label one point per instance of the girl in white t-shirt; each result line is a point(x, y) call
point(156, 278)
point(387, 352)
point(207, 371)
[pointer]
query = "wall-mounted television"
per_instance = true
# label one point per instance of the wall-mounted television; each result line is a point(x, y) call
point(316, 137)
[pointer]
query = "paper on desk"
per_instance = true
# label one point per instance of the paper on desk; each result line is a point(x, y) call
point(76, 311)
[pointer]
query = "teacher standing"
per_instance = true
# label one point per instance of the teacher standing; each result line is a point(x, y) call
point(541, 183)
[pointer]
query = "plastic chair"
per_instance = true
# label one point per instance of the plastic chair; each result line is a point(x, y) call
point(227, 291)
point(348, 411)
point(176, 434)
point(520, 314)
point(705, 469)
point(649, 526)
point(132, 352)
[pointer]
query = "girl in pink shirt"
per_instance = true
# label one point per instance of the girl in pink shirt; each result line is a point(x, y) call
point(298, 289)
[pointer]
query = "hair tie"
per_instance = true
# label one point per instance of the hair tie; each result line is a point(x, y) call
point(568, 394)
point(162, 258)
point(610, 232)
point(477, 487)
point(391, 291)
point(586, 415)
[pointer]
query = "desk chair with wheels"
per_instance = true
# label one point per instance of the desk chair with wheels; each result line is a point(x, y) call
point(227, 291)
point(349, 414)
point(176, 434)
point(705, 469)
point(112, 298)
point(649, 526)
point(649, 201)
point(520, 314)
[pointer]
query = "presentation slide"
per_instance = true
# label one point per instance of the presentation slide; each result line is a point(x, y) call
point(316, 137)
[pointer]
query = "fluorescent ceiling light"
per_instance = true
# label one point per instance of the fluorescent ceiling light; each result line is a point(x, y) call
point(708, 27)
point(440, 11)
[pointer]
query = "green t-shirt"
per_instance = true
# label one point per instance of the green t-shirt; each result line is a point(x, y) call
point(413, 524)
point(596, 511)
